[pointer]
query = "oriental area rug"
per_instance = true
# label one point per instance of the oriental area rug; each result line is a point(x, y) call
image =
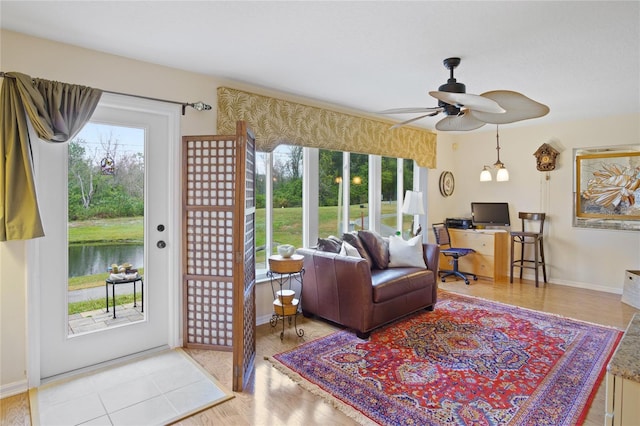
point(470, 361)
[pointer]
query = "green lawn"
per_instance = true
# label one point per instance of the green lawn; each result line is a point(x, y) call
point(287, 229)
point(95, 304)
point(126, 230)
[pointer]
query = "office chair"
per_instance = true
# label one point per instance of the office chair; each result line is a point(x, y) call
point(444, 242)
point(534, 238)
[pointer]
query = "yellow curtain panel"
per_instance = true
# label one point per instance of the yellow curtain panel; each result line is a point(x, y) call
point(57, 111)
point(277, 121)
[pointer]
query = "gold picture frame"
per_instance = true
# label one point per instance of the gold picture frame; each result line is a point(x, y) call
point(607, 187)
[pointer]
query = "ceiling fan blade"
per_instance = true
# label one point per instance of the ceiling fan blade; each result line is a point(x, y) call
point(404, 123)
point(409, 110)
point(518, 107)
point(474, 102)
point(463, 122)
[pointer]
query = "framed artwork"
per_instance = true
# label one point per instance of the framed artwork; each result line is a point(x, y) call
point(607, 187)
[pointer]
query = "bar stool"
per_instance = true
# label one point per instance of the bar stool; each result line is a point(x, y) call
point(528, 237)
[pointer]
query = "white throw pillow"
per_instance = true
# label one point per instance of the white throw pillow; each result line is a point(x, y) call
point(349, 250)
point(406, 253)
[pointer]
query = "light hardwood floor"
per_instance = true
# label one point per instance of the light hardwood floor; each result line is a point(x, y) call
point(274, 399)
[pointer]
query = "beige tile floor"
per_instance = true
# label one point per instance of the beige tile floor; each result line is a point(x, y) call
point(157, 389)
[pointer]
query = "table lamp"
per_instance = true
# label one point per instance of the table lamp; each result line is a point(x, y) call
point(413, 205)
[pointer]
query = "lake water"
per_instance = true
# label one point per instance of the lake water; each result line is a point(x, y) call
point(95, 259)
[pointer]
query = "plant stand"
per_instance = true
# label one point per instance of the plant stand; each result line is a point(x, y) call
point(286, 274)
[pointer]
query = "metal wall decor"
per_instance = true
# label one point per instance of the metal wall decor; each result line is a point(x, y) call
point(447, 183)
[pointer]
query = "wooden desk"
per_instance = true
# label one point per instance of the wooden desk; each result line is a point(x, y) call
point(491, 257)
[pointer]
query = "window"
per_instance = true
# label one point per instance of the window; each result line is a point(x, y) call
point(396, 178)
point(358, 191)
point(330, 193)
point(343, 192)
point(286, 222)
point(263, 187)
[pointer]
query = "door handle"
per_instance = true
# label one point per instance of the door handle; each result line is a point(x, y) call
point(161, 244)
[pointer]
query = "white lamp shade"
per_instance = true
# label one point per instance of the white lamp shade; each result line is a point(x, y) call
point(412, 203)
point(502, 175)
point(485, 175)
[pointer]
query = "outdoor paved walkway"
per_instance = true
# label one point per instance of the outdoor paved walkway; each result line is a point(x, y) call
point(99, 292)
point(99, 319)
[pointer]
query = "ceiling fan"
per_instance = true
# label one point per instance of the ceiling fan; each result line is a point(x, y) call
point(465, 111)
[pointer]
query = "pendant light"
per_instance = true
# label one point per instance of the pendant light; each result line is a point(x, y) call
point(502, 174)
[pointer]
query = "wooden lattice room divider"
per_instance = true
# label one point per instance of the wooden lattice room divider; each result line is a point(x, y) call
point(219, 246)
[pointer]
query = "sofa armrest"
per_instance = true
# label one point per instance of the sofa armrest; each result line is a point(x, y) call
point(337, 288)
point(431, 256)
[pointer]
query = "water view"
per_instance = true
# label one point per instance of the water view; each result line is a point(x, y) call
point(95, 259)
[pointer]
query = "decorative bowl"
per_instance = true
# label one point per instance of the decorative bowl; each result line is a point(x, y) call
point(286, 250)
point(285, 296)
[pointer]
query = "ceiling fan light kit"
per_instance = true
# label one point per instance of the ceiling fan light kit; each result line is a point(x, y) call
point(466, 112)
point(502, 174)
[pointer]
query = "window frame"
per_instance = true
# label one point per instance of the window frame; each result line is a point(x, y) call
point(310, 193)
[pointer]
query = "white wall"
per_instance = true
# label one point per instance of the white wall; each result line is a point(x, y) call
point(55, 61)
point(588, 258)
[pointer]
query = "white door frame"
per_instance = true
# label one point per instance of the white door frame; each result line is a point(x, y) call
point(34, 277)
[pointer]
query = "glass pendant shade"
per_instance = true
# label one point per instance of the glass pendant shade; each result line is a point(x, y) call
point(485, 175)
point(502, 175)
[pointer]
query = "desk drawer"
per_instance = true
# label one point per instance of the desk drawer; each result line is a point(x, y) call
point(481, 243)
point(476, 263)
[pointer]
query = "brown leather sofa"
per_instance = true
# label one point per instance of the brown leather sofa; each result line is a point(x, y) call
point(346, 291)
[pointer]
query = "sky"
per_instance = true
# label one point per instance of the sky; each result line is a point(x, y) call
point(130, 140)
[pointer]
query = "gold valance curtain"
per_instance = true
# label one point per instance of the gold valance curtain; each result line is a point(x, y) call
point(276, 121)
point(57, 111)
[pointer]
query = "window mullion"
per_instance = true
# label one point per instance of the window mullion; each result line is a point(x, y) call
point(375, 191)
point(269, 205)
point(310, 192)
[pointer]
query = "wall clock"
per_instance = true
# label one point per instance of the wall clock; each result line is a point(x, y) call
point(447, 183)
point(546, 158)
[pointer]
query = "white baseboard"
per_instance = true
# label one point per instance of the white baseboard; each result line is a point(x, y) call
point(14, 388)
point(587, 286)
point(263, 319)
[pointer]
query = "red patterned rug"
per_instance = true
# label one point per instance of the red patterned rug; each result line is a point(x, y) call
point(470, 361)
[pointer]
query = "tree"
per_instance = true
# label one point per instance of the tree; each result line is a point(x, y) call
point(82, 171)
point(104, 182)
point(293, 165)
point(330, 170)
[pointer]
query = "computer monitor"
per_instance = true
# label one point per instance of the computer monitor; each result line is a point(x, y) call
point(490, 214)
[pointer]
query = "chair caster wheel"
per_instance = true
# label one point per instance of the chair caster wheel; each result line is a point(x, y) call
point(443, 280)
point(475, 278)
point(466, 282)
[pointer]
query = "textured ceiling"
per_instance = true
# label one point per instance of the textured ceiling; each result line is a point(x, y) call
point(579, 58)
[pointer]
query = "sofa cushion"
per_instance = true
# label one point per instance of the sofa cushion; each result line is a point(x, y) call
point(391, 283)
point(406, 253)
point(331, 244)
point(353, 239)
point(349, 250)
point(377, 247)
